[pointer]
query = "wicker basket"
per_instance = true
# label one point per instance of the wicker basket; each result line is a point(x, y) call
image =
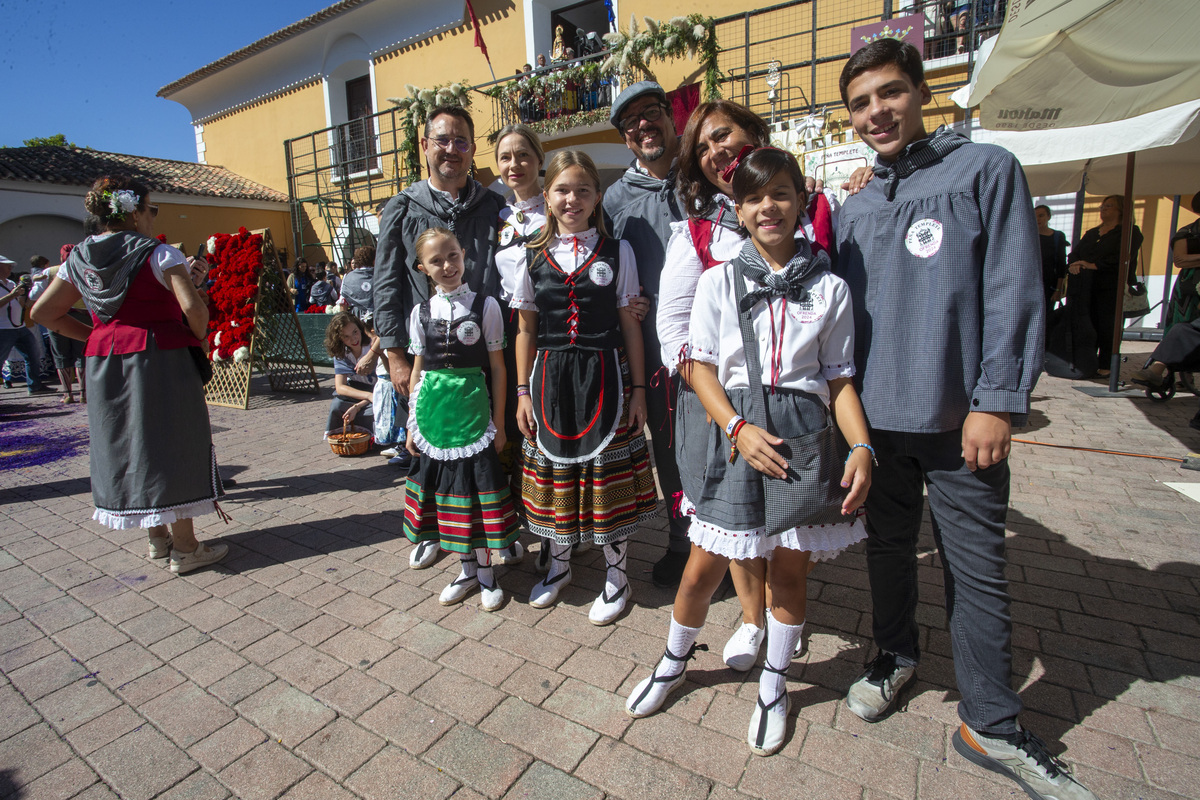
point(348, 442)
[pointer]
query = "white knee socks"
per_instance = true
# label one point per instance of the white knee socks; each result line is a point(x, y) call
point(560, 559)
point(483, 568)
point(679, 644)
point(781, 643)
point(615, 556)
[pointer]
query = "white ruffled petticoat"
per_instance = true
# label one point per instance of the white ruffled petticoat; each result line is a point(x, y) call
point(823, 542)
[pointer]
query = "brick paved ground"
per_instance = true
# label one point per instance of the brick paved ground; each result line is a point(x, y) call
point(314, 664)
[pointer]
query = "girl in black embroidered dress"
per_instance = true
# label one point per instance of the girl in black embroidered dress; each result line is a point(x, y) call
point(581, 402)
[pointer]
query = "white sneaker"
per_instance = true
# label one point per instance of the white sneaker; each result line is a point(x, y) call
point(491, 597)
point(458, 589)
point(741, 651)
point(390, 452)
point(767, 728)
point(1024, 758)
point(872, 696)
point(545, 593)
point(423, 555)
point(509, 556)
point(159, 547)
point(606, 609)
point(202, 556)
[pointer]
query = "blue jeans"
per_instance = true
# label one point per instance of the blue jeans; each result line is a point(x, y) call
point(21, 339)
point(968, 511)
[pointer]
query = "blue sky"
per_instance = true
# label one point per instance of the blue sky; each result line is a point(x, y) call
point(91, 70)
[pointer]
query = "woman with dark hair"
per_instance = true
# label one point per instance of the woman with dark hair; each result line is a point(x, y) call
point(1185, 253)
point(152, 458)
point(299, 283)
point(1099, 251)
point(713, 141)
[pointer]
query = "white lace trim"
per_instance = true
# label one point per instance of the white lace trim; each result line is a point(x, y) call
point(823, 542)
point(438, 453)
point(121, 520)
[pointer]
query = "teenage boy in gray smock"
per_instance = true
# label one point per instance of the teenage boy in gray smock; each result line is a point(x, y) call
point(940, 252)
point(640, 208)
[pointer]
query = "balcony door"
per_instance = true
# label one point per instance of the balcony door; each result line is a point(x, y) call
point(358, 134)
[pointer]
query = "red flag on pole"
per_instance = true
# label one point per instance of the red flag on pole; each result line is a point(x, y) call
point(478, 33)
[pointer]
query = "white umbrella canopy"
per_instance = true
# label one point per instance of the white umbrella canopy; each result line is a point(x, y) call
point(1166, 143)
point(1068, 63)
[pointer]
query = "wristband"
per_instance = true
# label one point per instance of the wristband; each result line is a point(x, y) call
point(853, 447)
point(522, 391)
point(732, 424)
point(637, 386)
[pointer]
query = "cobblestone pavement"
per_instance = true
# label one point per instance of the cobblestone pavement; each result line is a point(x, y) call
point(314, 664)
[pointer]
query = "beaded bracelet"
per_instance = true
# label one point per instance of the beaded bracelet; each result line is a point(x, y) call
point(733, 421)
point(853, 447)
point(733, 440)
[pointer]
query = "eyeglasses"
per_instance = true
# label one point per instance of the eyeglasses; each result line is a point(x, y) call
point(652, 113)
point(445, 143)
point(153, 210)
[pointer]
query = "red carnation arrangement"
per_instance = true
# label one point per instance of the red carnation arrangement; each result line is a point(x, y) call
point(237, 261)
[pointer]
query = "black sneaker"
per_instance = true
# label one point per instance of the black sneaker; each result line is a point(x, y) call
point(669, 570)
point(872, 696)
point(1024, 758)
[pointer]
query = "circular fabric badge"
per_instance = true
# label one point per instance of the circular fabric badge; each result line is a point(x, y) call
point(924, 237)
point(811, 309)
point(366, 286)
point(93, 280)
point(469, 333)
point(602, 274)
point(506, 235)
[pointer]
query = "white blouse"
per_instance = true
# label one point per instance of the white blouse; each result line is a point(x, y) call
point(682, 269)
point(452, 306)
point(571, 252)
point(814, 339)
point(518, 218)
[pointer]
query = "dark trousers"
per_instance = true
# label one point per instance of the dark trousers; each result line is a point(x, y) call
point(968, 510)
point(1180, 347)
point(1104, 303)
point(662, 397)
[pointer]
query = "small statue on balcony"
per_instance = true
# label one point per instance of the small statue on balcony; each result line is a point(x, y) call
point(558, 52)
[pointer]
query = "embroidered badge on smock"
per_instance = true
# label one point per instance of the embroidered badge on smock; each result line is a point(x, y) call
point(507, 234)
point(811, 309)
point(924, 238)
point(93, 280)
point(366, 286)
point(602, 274)
point(468, 333)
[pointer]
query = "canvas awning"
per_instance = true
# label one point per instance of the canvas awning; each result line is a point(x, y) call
point(1069, 63)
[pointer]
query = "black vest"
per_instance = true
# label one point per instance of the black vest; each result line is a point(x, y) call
point(589, 297)
point(458, 344)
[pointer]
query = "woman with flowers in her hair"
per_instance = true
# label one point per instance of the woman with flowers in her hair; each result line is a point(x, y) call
point(152, 459)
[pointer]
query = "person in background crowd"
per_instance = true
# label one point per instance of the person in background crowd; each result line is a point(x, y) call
point(358, 286)
point(68, 352)
point(1100, 252)
point(298, 283)
point(14, 297)
point(1178, 350)
point(152, 459)
point(322, 293)
point(347, 341)
point(1054, 258)
point(1185, 254)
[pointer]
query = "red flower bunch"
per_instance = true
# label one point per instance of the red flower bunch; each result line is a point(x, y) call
point(162, 237)
point(237, 261)
point(315, 310)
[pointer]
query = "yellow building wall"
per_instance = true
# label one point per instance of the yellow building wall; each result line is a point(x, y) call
point(191, 224)
point(250, 141)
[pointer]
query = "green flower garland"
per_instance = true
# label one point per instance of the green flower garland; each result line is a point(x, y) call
point(630, 54)
point(633, 50)
point(417, 106)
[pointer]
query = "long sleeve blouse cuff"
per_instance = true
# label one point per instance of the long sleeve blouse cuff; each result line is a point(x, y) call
point(702, 352)
point(1000, 400)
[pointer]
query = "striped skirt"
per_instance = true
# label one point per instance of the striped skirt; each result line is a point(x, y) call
point(602, 500)
point(461, 504)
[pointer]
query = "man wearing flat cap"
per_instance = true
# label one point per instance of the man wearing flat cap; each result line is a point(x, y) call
point(641, 207)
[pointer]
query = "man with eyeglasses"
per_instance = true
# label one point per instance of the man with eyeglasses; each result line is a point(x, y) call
point(449, 198)
point(640, 208)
